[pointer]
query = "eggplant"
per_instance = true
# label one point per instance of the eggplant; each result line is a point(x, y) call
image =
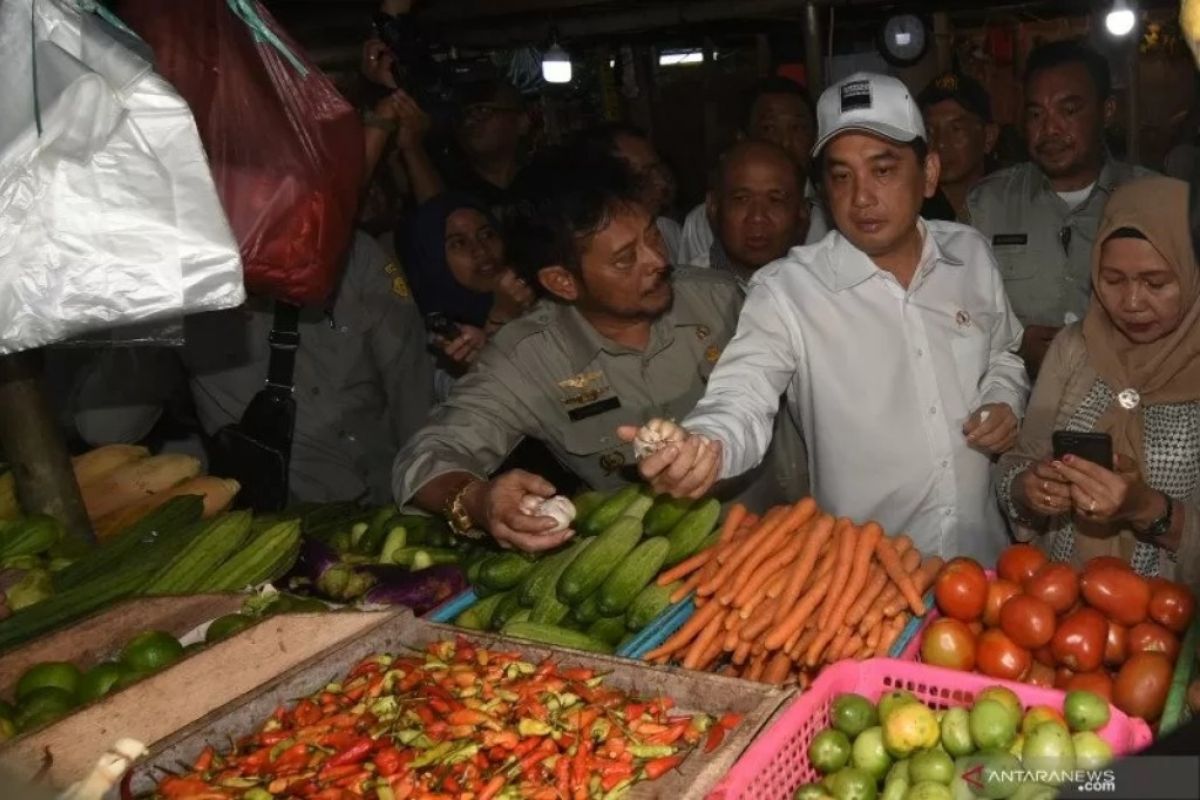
point(422, 591)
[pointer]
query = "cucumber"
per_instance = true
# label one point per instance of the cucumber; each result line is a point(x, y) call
point(549, 609)
point(555, 636)
point(504, 571)
point(665, 514)
point(509, 605)
point(522, 615)
point(639, 507)
point(588, 611)
point(607, 512)
point(649, 603)
point(631, 576)
point(689, 533)
point(29, 536)
point(609, 630)
point(589, 569)
point(371, 542)
point(587, 502)
point(479, 616)
point(543, 578)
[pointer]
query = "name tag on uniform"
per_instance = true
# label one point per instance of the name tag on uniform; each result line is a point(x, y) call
point(592, 409)
point(1002, 239)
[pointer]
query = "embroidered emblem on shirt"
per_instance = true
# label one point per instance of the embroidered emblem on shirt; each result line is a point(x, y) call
point(702, 332)
point(947, 82)
point(611, 462)
point(391, 268)
point(586, 396)
point(581, 381)
point(855, 95)
point(400, 287)
point(712, 354)
point(962, 318)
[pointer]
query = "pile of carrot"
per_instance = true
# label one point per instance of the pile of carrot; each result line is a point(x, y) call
point(779, 597)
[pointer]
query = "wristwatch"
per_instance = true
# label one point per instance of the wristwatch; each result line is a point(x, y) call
point(1161, 526)
point(373, 120)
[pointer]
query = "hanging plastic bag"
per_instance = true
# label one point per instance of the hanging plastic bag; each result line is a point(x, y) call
point(285, 148)
point(108, 214)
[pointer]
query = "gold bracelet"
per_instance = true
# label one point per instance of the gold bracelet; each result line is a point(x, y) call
point(456, 512)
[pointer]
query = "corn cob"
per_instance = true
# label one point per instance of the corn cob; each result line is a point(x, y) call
point(136, 480)
point(217, 494)
point(215, 542)
point(267, 557)
point(95, 464)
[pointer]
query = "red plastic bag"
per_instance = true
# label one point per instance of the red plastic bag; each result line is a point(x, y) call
point(285, 148)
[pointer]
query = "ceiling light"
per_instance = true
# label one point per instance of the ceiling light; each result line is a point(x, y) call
point(1121, 19)
point(556, 65)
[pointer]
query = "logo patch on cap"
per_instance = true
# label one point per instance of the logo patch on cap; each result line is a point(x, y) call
point(856, 94)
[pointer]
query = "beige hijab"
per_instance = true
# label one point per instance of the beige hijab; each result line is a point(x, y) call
point(1165, 371)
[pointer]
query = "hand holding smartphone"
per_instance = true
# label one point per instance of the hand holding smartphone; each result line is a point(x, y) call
point(1094, 447)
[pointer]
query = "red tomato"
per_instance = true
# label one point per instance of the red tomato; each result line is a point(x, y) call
point(1098, 682)
point(1116, 644)
point(1061, 676)
point(1028, 621)
point(998, 593)
point(997, 656)
point(1040, 675)
point(976, 627)
point(961, 589)
point(1019, 562)
point(1150, 637)
point(948, 643)
point(1079, 641)
point(1117, 592)
point(1044, 655)
point(1104, 561)
point(1171, 605)
point(1140, 689)
point(1055, 583)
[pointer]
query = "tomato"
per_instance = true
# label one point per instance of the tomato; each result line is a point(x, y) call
point(1040, 675)
point(998, 593)
point(1171, 605)
point(1028, 621)
point(976, 627)
point(1062, 676)
point(1119, 593)
point(1044, 655)
point(948, 643)
point(961, 589)
point(1019, 562)
point(1097, 682)
point(1079, 641)
point(1055, 583)
point(1096, 562)
point(998, 656)
point(1116, 644)
point(1140, 689)
point(1150, 637)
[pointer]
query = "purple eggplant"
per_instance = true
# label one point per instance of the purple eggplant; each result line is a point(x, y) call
point(422, 591)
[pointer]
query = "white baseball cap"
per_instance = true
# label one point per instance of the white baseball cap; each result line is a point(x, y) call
point(868, 102)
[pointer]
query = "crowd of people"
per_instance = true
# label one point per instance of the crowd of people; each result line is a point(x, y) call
point(858, 310)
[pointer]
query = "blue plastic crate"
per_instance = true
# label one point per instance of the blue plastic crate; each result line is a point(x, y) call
point(659, 630)
point(450, 609)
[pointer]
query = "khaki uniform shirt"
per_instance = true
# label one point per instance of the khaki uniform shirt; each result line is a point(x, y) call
point(549, 375)
point(363, 380)
point(1043, 248)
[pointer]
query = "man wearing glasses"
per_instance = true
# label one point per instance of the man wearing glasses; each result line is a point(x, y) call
point(490, 128)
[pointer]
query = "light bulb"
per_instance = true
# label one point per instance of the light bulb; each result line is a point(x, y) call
point(1121, 19)
point(556, 65)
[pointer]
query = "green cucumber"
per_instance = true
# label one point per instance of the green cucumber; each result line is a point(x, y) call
point(371, 542)
point(508, 606)
point(631, 576)
point(587, 502)
point(543, 578)
point(589, 569)
point(689, 533)
point(479, 616)
point(555, 636)
point(504, 571)
point(587, 611)
point(665, 514)
point(649, 603)
point(610, 630)
point(607, 513)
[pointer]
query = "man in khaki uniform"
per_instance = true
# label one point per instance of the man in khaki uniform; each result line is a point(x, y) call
point(1041, 216)
point(620, 340)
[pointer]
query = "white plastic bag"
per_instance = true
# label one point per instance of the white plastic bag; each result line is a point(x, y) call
point(108, 214)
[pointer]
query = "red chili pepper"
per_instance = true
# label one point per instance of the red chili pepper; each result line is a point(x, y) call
point(425, 714)
point(364, 668)
point(331, 773)
point(730, 721)
point(292, 760)
point(580, 674)
point(338, 740)
point(716, 735)
point(272, 738)
point(526, 746)
point(332, 793)
point(389, 761)
point(670, 735)
point(660, 766)
point(634, 711)
point(544, 670)
point(354, 754)
point(450, 784)
point(545, 748)
point(579, 766)
point(492, 788)
point(204, 760)
point(440, 706)
point(306, 713)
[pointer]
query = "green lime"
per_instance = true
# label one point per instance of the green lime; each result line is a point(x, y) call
point(894, 700)
point(43, 705)
point(1091, 752)
point(993, 774)
point(1034, 791)
point(129, 676)
point(992, 724)
point(291, 604)
point(226, 626)
point(98, 681)
point(908, 728)
point(811, 791)
point(869, 754)
point(898, 772)
point(895, 790)
point(931, 766)
point(1085, 711)
point(853, 784)
point(929, 790)
point(1049, 747)
point(956, 732)
point(151, 651)
point(193, 648)
point(1006, 697)
point(829, 751)
point(852, 714)
point(58, 674)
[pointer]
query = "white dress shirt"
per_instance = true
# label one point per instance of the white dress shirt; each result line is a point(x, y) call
point(882, 380)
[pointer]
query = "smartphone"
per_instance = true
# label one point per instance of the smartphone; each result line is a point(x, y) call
point(439, 324)
point(1094, 447)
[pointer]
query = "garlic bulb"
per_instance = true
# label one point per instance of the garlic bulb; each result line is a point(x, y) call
point(560, 508)
point(107, 773)
point(654, 436)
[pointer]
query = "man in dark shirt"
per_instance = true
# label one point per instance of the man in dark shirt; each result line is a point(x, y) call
point(490, 126)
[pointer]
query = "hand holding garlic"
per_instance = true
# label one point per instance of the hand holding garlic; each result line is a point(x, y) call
point(672, 460)
point(558, 508)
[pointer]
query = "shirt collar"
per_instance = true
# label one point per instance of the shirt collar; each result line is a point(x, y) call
point(848, 266)
point(583, 343)
point(719, 259)
point(1039, 184)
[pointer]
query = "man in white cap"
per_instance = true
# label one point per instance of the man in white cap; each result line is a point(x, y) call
point(892, 337)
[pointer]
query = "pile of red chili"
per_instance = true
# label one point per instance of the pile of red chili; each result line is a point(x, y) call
point(456, 722)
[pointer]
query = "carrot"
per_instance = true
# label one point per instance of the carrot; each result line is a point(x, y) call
point(756, 627)
point(733, 520)
point(704, 638)
point(841, 571)
point(760, 600)
point(838, 642)
point(687, 587)
point(922, 579)
point(709, 575)
point(764, 573)
point(849, 648)
point(695, 624)
point(777, 669)
point(820, 534)
point(890, 560)
point(756, 668)
point(729, 671)
point(889, 634)
point(876, 582)
point(911, 560)
point(731, 640)
point(685, 567)
point(710, 656)
point(873, 636)
point(766, 547)
point(797, 616)
point(741, 653)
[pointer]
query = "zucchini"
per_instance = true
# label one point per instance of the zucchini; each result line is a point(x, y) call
point(215, 541)
point(607, 512)
point(631, 576)
point(649, 603)
point(585, 574)
point(609, 630)
point(509, 605)
point(555, 636)
point(665, 514)
point(504, 571)
point(689, 534)
point(267, 557)
point(479, 616)
point(543, 578)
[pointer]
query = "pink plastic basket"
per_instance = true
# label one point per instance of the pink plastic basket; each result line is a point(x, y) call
point(777, 763)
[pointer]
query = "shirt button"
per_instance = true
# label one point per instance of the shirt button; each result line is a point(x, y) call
point(948, 511)
point(933, 411)
point(920, 352)
point(945, 463)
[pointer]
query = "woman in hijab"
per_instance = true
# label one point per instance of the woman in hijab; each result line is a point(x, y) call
point(454, 260)
point(1131, 369)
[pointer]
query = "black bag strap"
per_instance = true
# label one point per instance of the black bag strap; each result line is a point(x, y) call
point(284, 341)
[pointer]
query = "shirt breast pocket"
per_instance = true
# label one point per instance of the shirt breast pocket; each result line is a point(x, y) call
point(1013, 256)
point(971, 348)
point(593, 449)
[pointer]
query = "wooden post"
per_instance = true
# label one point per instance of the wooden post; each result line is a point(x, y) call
point(34, 446)
point(943, 41)
point(642, 109)
point(814, 49)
